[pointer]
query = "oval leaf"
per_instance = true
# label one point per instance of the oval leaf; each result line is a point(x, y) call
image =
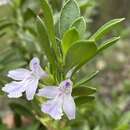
point(68, 39)
point(69, 14)
point(80, 25)
point(80, 52)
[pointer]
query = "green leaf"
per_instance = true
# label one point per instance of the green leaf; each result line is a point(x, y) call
point(80, 25)
point(3, 19)
point(22, 2)
point(83, 100)
point(69, 14)
point(107, 44)
point(28, 14)
point(105, 28)
point(5, 25)
point(44, 40)
point(14, 65)
point(123, 127)
point(19, 3)
point(3, 127)
point(79, 53)
point(83, 91)
point(86, 4)
point(86, 79)
point(49, 22)
point(2, 34)
point(100, 48)
point(68, 39)
point(35, 126)
point(17, 119)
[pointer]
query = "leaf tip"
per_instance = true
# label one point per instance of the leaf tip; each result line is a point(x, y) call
point(122, 19)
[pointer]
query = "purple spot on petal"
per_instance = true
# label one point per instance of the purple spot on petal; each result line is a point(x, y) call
point(35, 65)
point(67, 84)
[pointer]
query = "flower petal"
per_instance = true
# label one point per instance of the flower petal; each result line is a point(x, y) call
point(36, 68)
point(53, 108)
point(14, 89)
point(66, 83)
point(49, 91)
point(69, 107)
point(18, 74)
point(31, 87)
point(34, 63)
point(14, 95)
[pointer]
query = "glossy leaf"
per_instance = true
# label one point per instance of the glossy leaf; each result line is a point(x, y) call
point(105, 28)
point(80, 25)
point(80, 52)
point(107, 44)
point(69, 14)
point(83, 91)
point(100, 48)
point(83, 100)
point(69, 38)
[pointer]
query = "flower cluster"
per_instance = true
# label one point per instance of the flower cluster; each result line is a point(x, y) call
point(60, 98)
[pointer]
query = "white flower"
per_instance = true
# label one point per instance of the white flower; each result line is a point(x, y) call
point(26, 80)
point(60, 100)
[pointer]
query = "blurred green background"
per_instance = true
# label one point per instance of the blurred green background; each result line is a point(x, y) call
point(111, 110)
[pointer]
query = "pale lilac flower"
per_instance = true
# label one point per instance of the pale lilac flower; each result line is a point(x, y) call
point(26, 80)
point(60, 100)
